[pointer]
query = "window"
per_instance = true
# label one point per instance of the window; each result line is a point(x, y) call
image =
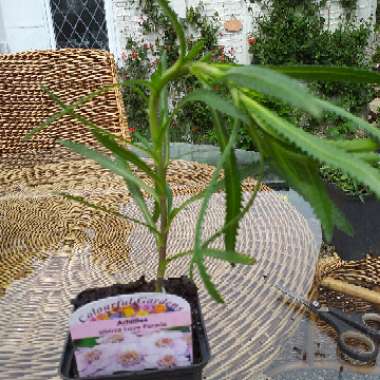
point(80, 24)
point(3, 39)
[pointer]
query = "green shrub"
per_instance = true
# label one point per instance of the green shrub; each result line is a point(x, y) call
point(296, 34)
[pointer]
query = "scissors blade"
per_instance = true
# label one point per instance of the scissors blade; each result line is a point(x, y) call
point(293, 296)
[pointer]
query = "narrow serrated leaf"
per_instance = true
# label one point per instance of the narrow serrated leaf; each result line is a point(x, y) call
point(108, 141)
point(136, 193)
point(372, 158)
point(356, 145)
point(211, 288)
point(313, 146)
point(156, 211)
point(107, 163)
point(195, 50)
point(213, 185)
point(274, 84)
point(216, 102)
point(328, 73)
point(302, 174)
point(230, 256)
point(232, 184)
point(86, 203)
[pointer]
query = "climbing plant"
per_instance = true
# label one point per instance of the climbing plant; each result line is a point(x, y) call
point(349, 5)
point(193, 122)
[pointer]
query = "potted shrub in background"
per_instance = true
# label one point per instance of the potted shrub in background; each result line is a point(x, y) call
point(294, 153)
point(362, 210)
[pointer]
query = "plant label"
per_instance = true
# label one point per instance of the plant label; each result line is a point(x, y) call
point(132, 332)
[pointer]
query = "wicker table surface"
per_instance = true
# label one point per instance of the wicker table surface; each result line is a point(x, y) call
point(311, 353)
point(51, 249)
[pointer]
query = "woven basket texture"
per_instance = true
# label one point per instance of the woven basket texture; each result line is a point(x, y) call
point(52, 248)
point(70, 74)
point(365, 273)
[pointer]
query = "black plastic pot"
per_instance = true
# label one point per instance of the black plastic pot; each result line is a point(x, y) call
point(182, 287)
point(365, 220)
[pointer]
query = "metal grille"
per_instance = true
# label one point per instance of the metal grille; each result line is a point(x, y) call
point(80, 24)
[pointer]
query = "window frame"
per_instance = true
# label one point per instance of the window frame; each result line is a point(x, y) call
point(112, 33)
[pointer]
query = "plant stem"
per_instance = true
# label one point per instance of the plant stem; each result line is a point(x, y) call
point(160, 139)
point(162, 247)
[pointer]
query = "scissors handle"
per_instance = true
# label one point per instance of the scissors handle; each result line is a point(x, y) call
point(367, 353)
point(354, 326)
point(367, 318)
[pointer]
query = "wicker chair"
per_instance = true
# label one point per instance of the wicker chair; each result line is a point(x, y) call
point(71, 74)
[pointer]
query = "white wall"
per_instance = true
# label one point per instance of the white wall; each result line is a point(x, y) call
point(3, 44)
point(127, 19)
point(25, 23)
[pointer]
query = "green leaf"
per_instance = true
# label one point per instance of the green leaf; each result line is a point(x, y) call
point(122, 156)
point(274, 84)
point(156, 211)
point(163, 141)
point(169, 195)
point(84, 202)
point(232, 174)
point(231, 170)
point(302, 174)
point(244, 210)
point(211, 288)
point(328, 73)
point(107, 163)
point(136, 193)
point(197, 253)
point(357, 121)
point(230, 256)
point(144, 146)
point(195, 50)
point(85, 342)
point(356, 145)
point(179, 31)
point(191, 200)
point(108, 141)
point(372, 158)
point(70, 108)
point(209, 191)
point(232, 184)
point(316, 148)
point(216, 102)
point(207, 58)
point(139, 147)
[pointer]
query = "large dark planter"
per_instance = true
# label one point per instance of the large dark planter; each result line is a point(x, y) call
point(365, 220)
point(182, 287)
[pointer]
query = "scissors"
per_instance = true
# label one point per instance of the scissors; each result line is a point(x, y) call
point(347, 325)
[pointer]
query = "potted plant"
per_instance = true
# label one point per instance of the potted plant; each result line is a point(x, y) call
point(294, 153)
point(362, 210)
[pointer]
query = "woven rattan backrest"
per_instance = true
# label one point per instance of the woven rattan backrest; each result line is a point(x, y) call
point(69, 73)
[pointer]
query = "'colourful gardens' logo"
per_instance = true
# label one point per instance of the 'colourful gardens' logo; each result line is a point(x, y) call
point(131, 333)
